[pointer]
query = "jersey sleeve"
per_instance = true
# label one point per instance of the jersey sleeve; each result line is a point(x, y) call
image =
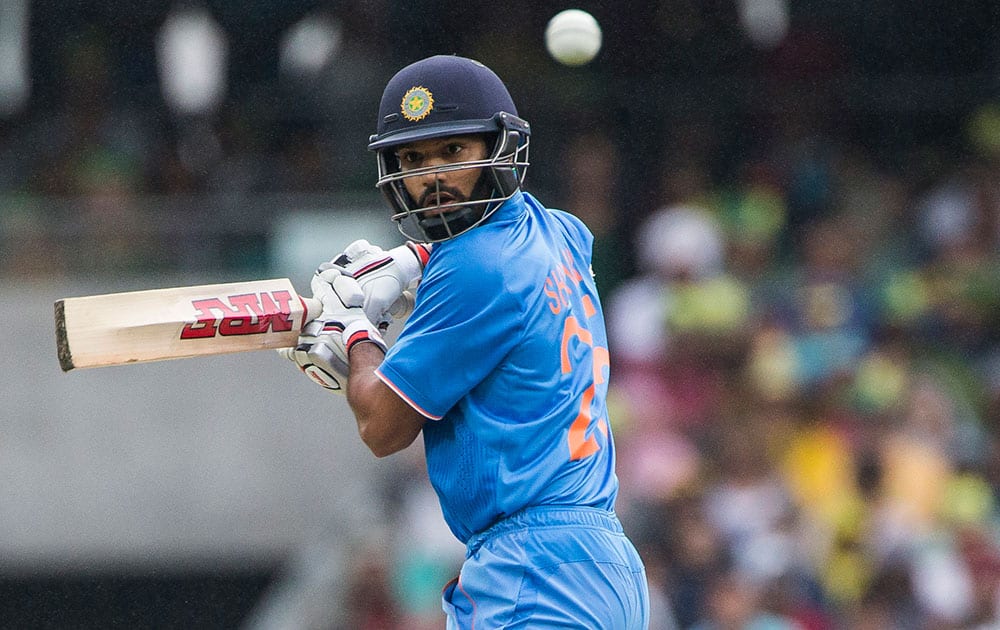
point(464, 322)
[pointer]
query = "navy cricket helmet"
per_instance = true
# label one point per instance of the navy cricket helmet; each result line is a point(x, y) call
point(439, 97)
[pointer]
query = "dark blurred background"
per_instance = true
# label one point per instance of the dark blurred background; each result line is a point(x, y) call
point(797, 217)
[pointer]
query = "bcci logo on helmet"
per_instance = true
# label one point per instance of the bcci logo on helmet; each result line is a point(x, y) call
point(417, 103)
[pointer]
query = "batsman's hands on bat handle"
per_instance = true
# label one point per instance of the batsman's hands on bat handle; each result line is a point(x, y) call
point(384, 276)
point(324, 347)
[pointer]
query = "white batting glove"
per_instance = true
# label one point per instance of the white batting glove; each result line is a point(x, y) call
point(325, 344)
point(387, 278)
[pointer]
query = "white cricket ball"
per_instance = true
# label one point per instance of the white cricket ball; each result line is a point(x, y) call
point(573, 37)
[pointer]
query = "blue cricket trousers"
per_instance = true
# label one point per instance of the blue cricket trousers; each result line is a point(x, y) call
point(550, 567)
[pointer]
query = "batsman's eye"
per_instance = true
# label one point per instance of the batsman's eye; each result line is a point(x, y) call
point(408, 158)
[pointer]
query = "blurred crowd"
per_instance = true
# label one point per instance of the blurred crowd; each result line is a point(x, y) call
point(805, 335)
point(806, 387)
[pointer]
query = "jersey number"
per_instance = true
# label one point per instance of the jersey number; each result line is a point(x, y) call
point(580, 443)
point(559, 287)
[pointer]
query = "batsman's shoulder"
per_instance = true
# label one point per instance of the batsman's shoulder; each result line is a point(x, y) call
point(470, 259)
point(574, 226)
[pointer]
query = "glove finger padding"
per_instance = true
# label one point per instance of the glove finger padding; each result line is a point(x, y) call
point(361, 248)
point(325, 344)
point(336, 290)
point(321, 357)
point(325, 362)
point(342, 300)
point(383, 275)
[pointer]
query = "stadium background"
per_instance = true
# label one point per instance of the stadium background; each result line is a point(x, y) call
point(807, 402)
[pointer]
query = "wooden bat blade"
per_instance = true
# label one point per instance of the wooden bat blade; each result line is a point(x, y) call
point(179, 322)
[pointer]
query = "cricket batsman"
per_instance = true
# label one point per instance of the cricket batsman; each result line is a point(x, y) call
point(502, 366)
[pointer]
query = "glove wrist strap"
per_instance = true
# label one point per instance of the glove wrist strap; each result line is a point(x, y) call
point(410, 259)
point(362, 331)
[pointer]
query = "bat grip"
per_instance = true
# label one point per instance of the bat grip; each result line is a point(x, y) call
point(313, 308)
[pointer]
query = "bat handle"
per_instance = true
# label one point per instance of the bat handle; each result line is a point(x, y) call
point(313, 308)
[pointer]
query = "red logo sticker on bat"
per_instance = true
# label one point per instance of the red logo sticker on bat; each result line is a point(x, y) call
point(245, 314)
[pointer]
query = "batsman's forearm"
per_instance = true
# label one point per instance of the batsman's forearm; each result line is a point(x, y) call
point(386, 423)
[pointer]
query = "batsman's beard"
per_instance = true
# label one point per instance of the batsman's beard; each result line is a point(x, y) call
point(458, 213)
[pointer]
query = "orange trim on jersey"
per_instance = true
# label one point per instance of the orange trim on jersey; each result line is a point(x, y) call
point(409, 401)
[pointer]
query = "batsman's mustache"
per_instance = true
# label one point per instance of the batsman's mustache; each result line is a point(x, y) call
point(438, 194)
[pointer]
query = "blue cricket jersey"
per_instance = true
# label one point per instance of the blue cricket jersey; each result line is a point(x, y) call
point(506, 355)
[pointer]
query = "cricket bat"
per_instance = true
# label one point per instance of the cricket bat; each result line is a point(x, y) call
point(180, 322)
